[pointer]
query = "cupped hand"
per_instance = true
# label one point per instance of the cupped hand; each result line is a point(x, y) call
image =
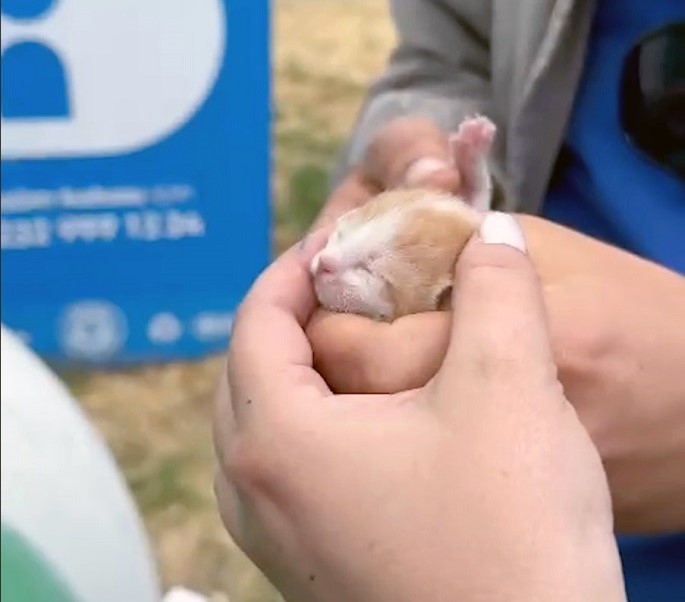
point(611, 317)
point(408, 151)
point(355, 354)
point(480, 485)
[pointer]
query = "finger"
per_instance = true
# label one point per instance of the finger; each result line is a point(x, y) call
point(269, 354)
point(351, 352)
point(223, 419)
point(286, 283)
point(411, 151)
point(223, 438)
point(499, 335)
point(427, 172)
point(354, 191)
point(228, 503)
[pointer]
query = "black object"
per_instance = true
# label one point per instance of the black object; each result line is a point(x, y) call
point(652, 103)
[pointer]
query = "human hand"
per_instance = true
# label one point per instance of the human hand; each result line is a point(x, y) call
point(611, 320)
point(482, 484)
point(408, 151)
point(351, 352)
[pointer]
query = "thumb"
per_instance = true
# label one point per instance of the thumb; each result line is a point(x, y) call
point(412, 151)
point(499, 335)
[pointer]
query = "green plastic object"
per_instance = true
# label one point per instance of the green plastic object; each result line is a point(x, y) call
point(26, 575)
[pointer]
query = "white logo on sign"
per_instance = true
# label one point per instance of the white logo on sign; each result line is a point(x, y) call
point(164, 328)
point(93, 330)
point(209, 326)
point(135, 71)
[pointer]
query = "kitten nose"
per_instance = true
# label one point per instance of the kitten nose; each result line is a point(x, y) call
point(325, 264)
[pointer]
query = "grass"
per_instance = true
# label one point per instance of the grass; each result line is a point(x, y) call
point(157, 419)
point(326, 53)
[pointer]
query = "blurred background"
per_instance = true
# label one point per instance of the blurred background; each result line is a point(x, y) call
point(155, 415)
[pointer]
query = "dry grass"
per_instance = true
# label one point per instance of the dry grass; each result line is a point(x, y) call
point(326, 52)
point(157, 420)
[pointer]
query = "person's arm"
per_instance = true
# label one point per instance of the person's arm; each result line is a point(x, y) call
point(617, 332)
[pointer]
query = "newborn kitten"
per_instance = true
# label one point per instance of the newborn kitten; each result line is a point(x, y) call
point(396, 254)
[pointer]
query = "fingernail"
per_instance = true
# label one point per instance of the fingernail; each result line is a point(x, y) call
point(502, 229)
point(422, 168)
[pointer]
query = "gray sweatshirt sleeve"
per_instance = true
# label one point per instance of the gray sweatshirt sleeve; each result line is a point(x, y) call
point(440, 69)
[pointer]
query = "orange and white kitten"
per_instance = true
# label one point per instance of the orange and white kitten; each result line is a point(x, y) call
point(396, 254)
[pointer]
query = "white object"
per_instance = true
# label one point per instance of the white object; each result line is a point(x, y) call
point(136, 72)
point(180, 594)
point(62, 491)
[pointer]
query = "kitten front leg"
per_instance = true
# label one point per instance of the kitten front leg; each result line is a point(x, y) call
point(471, 146)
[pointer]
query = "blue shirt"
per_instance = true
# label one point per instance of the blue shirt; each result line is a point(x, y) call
point(607, 189)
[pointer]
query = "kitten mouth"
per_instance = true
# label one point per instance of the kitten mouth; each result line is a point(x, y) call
point(327, 281)
point(330, 292)
point(329, 289)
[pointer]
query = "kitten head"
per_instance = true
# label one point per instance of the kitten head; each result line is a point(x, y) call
point(394, 255)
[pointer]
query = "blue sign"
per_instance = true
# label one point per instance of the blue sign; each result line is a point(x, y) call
point(135, 174)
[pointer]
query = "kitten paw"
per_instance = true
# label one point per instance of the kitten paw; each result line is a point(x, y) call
point(474, 136)
point(471, 146)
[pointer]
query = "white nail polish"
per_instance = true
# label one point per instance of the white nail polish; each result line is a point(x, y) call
point(502, 229)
